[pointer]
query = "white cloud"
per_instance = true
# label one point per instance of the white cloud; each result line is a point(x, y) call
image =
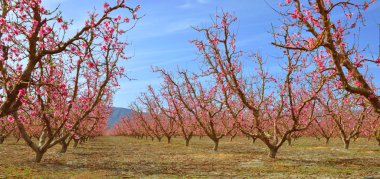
point(52, 4)
point(202, 1)
point(192, 3)
point(187, 5)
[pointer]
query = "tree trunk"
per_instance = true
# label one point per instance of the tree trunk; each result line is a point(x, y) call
point(273, 152)
point(254, 139)
point(378, 140)
point(159, 139)
point(2, 138)
point(39, 156)
point(169, 140)
point(187, 142)
point(327, 140)
point(76, 141)
point(346, 144)
point(216, 145)
point(289, 141)
point(64, 147)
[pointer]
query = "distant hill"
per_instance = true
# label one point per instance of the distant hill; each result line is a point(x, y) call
point(117, 113)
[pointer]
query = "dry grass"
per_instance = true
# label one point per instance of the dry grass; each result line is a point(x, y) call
point(116, 157)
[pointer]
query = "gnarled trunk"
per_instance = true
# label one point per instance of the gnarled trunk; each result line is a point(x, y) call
point(187, 142)
point(216, 144)
point(327, 140)
point(232, 137)
point(39, 155)
point(76, 141)
point(273, 152)
point(64, 147)
point(346, 144)
point(378, 140)
point(254, 139)
point(289, 141)
point(2, 138)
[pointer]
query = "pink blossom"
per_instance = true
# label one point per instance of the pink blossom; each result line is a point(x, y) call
point(90, 64)
point(295, 14)
point(64, 26)
point(84, 44)
point(76, 136)
point(372, 96)
point(377, 61)
point(137, 8)
point(2, 21)
point(62, 86)
point(366, 5)
point(349, 15)
point(21, 93)
point(59, 19)
point(357, 83)
point(106, 5)
point(11, 119)
point(19, 67)
point(338, 84)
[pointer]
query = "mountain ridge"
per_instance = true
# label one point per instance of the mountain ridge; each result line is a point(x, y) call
point(116, 114)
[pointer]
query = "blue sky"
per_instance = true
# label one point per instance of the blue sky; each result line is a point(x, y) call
point(161, 37)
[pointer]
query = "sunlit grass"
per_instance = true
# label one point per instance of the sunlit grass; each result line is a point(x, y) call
point(130, 157)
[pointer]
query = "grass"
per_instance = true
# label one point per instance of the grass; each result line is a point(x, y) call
point(116, 157)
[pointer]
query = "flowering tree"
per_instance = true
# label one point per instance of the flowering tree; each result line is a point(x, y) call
point(171, 107)
point(93, 125)
point(205, 105)
point(183, 118)
point(32, 35)
point(371, 129)
point(349, 113)
point(148, 123)
point(6, 129)
point(316, 29)
point(155, 108)
point(278, 108)
point(65, 78)
point(121, 128)
point(376, 129)
point(129, 126)
point(57, 113)
point(323, 127)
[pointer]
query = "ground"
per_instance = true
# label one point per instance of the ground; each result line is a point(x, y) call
point(116, 157)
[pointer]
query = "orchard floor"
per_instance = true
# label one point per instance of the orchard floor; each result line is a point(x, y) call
point(117, 157)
